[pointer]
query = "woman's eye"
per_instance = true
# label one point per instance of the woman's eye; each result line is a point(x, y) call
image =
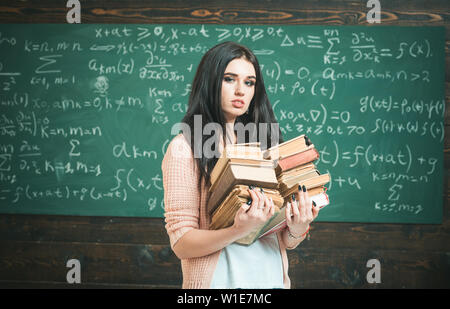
point(250, 83)
point(228, 79)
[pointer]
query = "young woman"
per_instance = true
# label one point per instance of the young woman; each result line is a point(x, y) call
point(228, 89)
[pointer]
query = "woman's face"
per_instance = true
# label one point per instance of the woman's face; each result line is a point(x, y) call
point(238, 88)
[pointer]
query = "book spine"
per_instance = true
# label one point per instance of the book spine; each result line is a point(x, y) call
point(306, 157)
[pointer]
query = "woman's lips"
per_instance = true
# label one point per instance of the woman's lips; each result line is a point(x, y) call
point(238, 103)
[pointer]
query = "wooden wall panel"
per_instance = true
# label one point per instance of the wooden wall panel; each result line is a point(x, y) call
point(135, 252)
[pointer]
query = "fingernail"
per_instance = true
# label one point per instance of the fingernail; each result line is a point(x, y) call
point(249, 202)
point(250, 187)
point(299, 188)
point(314, 203)
point(304, 189)
point(307, 141)
point(293, 197)
point(262, 191)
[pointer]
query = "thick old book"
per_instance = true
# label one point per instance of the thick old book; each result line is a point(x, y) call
point(297, 170)
point(304, 156)
point(223, 162)
point(288, 147)
point(234, 174)
point(310, 183)
point(287, 180)
point(249, 153)
point(246, 150)
point(223, 215)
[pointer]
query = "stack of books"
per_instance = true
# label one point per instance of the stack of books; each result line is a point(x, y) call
point(294, 167)
point(240, 166)
point(279, 171)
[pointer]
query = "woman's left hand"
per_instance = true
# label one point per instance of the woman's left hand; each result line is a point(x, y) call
point(300, 212)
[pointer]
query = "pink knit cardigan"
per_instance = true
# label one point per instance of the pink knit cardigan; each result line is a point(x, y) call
point(185, 209)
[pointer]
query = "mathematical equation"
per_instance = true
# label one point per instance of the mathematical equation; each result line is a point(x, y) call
point(86, 114)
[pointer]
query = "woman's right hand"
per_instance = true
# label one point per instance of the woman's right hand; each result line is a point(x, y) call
point(249, 217)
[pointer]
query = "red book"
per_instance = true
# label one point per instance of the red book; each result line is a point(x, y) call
point(304, 156)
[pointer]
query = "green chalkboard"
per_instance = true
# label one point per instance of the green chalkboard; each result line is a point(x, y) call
point(86, 113)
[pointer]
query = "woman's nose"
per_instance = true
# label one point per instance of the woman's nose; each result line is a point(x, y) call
point(238, 90)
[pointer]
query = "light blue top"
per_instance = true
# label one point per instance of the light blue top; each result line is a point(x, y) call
point(256, 266)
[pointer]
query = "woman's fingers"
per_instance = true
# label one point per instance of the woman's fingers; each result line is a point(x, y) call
point(301, 206)
point(267, 204)
point(272, 208)
point(302, 202)
point(244, 208)
point(288, 210)
point(295, 212)
point(261, 200)
point(258, 202)
point(308, 205)
point(255, 201)
point(315, 211)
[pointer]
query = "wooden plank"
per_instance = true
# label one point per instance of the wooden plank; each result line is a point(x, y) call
point(83, 229)
point(413, 5)
point(346, 268)
point(286, 12)
point(110, 230)
point(104, 265)
point(65, 285)
point(101, 264)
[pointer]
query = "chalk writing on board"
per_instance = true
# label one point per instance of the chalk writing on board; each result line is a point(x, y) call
point(86, 112)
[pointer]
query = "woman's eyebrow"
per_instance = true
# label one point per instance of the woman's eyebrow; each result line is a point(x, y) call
point(234, 74)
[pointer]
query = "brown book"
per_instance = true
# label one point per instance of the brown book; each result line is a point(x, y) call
point(298, 170)
point(224, 161)
point(247, 150)
point(285, 184)
point(307, 155)
point(241, 174)
point(291, 176)
point(223, 215)
point(317, 181)
point(241, 191)
point(311, 191)
point(273, 193)
point(288, 147)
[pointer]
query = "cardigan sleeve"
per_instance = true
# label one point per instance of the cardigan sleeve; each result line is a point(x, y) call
point(181, 193)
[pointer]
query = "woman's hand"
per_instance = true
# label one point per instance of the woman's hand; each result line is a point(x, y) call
point(199, 242)
point(300, 212)
point(249, 217)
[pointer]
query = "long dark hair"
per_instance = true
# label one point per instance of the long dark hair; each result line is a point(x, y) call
point(205, 100)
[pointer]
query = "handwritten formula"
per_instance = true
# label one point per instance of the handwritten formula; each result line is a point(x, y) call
point(86, 113)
